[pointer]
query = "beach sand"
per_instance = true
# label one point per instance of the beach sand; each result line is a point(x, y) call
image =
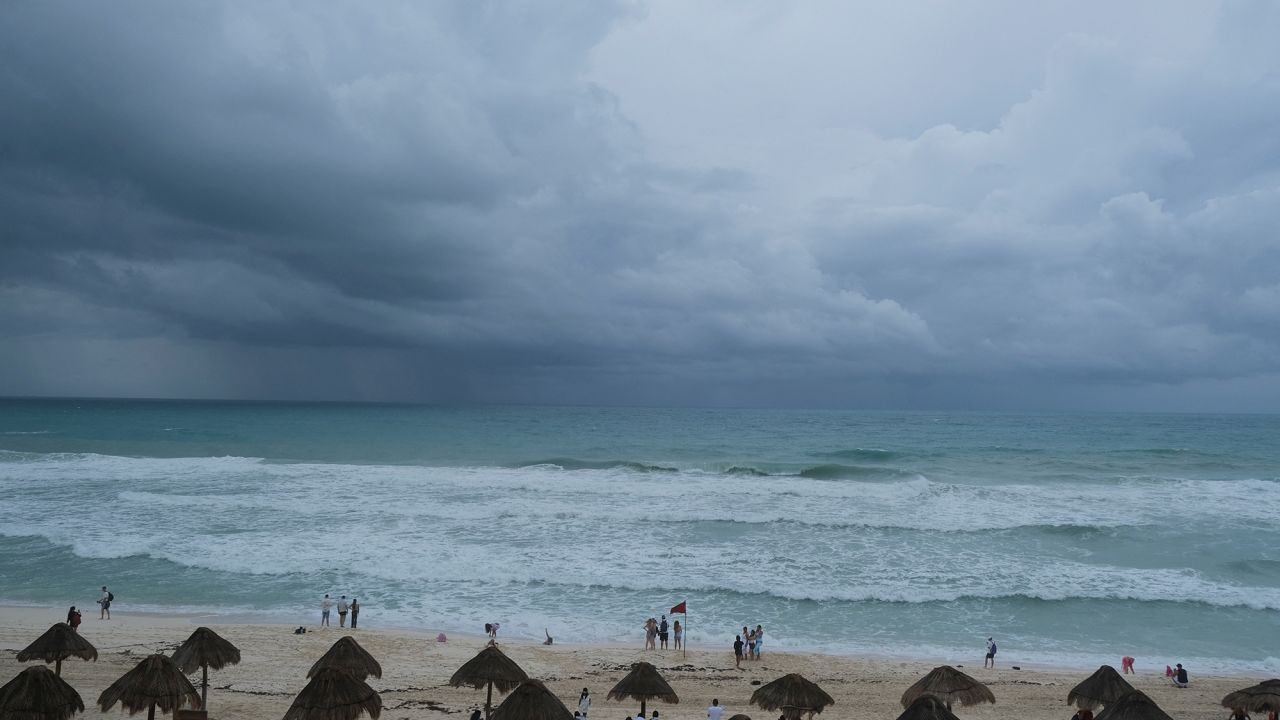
point(274, 664)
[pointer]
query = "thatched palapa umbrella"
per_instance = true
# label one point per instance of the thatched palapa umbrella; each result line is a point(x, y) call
point(950, 685)
point(1133, 706)
point(927, 707)
point(643, 682)
point(793, 694)
point(490, 667)
point(1263, 697)
point(347, 655)
point(335, 695)
point(740, 716)
point(37, 693)
point(205, 649)
point(156, 681)
point(531, 700)
point(57, 644)
point(1103, 687)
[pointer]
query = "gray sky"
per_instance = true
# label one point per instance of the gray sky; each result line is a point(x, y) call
point(1003, 204)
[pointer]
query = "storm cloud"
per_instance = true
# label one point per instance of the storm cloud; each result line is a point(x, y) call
point(1056, 205)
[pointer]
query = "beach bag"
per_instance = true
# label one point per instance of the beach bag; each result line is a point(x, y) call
point(110, 597)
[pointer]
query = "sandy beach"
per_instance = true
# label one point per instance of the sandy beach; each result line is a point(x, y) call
point(416, 668)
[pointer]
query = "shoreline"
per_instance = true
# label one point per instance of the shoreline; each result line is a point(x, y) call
point(416, 670)
point(242, 618)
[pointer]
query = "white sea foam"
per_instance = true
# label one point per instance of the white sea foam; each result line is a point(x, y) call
point(542, 536)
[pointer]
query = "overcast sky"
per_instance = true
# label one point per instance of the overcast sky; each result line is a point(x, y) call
point(1002, 204)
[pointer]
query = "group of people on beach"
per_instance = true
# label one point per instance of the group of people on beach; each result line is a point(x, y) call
point(658, 631)
point(747, 645)
point(344, 608)
point(74, 617)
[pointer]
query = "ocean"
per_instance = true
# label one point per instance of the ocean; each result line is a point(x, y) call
point(1072, 539)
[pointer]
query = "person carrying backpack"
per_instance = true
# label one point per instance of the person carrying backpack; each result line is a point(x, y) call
point(105, 602)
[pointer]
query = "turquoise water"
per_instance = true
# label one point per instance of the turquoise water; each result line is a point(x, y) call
point(1073, 539)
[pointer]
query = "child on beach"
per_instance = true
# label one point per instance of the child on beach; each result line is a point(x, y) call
point(737, 651)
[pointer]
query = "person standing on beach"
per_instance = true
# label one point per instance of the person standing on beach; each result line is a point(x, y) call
point(678, 632)
point(715, 711)
point(1126, 665)
point(662, 632)
point(584, 702)
point(343, 607)
point(325, 604)
point(759, 640)
point(104, 601)
point(355, 612)
point(991, 654)
point(73, 619)
point(650, 634)
point(737, 651)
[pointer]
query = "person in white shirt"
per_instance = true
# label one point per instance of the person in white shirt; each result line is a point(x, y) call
point(325, 604)
point(105, 602)
point(714, 712)
point(584, 702)
point(343, 607)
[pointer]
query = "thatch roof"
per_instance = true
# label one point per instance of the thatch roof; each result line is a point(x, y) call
point(951, 686)
point(1133, 706)
point(1263, 697)
point(154, 680)
point(792, 694)
point(927, 707)
point(1103, 687)
point(37, 693)
point(740, 716)
point(490, 665)
point(335, 695)
point(59, 643)
point(531, 700)
point(347, 655)
point(642, 683)
point(205, 647)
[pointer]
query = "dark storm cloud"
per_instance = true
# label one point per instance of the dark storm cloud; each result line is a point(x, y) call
point(660, 202)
